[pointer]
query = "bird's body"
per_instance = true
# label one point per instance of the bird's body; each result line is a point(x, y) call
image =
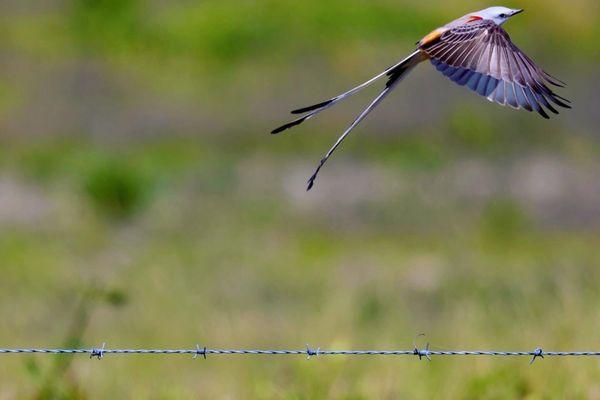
point(473, 51)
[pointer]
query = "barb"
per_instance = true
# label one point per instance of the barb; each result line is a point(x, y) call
point(98, 353)
point(537, 353)
point(311, 352)
point(200, 352)
point(308, 352)
point(421, 353)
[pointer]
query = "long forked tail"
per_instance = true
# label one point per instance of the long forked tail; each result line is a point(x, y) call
point(395, 75)
point(392, 72)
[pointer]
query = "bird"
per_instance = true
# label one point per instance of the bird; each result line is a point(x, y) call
point(473, 51)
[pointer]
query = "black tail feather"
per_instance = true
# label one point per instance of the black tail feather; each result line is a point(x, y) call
point(393, 72)
point(314, 107)
point(288, 125)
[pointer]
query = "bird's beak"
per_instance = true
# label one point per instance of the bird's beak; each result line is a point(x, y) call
point(515, 12)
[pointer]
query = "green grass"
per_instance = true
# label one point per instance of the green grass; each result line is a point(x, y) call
point(228, 265)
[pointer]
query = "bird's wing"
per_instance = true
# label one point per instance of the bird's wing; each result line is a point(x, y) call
point(481, 56)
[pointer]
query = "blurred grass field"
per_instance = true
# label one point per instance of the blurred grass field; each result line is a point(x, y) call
point(144, 204)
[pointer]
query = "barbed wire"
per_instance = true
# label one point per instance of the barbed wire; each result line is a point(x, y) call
point(309, 352)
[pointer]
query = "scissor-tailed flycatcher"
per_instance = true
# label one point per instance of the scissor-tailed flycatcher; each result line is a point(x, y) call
point(473, 51)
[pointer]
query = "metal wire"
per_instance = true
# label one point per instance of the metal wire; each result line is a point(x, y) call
point(99, 353)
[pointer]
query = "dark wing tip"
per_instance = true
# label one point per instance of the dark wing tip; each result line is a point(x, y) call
point(288, 126)
point(313, 107)
point(543, 114)
point(563, 99)
point(554, 80)
point(552, 109)
point(567, 104)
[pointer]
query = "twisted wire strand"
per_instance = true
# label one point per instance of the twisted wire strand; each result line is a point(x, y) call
point(100, 352)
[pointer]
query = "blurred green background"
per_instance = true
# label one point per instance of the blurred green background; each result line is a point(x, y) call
point(143, 202)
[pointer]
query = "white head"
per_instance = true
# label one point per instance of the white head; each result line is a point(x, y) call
point(497, 14)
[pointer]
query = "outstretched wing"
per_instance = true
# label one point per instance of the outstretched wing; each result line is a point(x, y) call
point(481, 56)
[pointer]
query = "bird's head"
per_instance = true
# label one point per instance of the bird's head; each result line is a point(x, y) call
point(497, 14)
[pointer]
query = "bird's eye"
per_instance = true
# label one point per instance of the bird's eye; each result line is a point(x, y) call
point(503, 15)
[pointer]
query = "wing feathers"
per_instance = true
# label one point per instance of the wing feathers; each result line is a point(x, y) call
point(511, 97)
point(481, 56)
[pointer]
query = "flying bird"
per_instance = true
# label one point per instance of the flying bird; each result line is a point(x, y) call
point(472, 51)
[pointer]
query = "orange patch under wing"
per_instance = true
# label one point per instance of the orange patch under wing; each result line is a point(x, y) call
point(432, 37)
point(474, 18)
